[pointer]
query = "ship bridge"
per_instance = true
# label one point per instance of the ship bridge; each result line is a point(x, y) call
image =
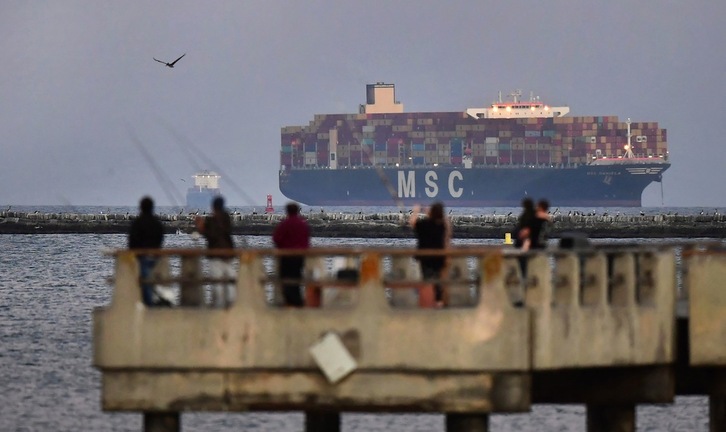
point(518, 109)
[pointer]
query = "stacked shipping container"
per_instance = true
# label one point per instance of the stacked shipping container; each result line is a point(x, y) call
point(450, 138)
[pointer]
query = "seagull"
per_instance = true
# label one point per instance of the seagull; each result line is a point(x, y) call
point(171, 65)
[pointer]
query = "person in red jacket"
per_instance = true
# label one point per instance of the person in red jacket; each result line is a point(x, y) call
point(292, 233)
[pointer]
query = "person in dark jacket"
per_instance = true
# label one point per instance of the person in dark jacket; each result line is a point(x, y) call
point(539, 230)
point(292, 233)
point(524, 225)
point(217, 229)
point(432, 232)
point(146, 232)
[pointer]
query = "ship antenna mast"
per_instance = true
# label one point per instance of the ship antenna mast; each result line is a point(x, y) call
point(515, 95)
point(629, 147)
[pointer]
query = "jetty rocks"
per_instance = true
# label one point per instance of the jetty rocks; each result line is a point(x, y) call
point(382, 225)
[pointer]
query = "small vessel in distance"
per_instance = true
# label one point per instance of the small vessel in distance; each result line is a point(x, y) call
point(206, 187)
point(492, 156)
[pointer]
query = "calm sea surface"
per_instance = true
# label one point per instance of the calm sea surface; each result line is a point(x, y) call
point(49, 284)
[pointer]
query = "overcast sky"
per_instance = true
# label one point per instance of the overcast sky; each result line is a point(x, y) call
point(82, 100)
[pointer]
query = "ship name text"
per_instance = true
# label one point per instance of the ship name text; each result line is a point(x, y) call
point(605, 173)
point(407, 184)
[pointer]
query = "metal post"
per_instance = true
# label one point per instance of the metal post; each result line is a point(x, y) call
point(191, 289)
point(610, 418)
point(467, 422)
point(161, 422)
point(322, 421)
point(717, 413)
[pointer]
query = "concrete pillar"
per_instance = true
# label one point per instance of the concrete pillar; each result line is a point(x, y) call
point(717, 413)
point(322, 421)
point(467, 422)
point(161, 422)
point(610, 418)
point(191, 289)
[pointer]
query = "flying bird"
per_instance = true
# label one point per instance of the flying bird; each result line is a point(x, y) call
point(171, 65)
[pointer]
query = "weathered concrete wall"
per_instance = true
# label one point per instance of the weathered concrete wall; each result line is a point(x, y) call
point(469, 359)
point(706, 282)
point(602, 309)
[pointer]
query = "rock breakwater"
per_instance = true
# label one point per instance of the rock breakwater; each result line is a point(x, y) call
point(382, 225)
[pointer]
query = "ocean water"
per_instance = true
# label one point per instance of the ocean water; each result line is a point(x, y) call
point(49, 284)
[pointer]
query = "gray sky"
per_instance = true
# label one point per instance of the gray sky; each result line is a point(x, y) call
point(77, 82)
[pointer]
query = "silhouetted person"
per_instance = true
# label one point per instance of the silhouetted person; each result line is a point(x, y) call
point(217, 229)
point(146, 232)
point(524, 225)
point(432, 232)
point(292, 233)
point(539, 228)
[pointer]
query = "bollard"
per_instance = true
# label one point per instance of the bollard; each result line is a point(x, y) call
point(508, 239)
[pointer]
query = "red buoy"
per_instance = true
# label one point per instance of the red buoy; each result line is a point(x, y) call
point(269, 208)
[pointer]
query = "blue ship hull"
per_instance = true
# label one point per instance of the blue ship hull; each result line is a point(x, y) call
point(617, 185)
point(200, 199)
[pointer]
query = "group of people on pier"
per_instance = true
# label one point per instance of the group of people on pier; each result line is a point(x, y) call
point(147, 232)
point(433, 232)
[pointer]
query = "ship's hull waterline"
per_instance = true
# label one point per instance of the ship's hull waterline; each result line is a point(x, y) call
point(583, 186)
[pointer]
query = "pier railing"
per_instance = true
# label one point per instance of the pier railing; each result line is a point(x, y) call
point(256, 354)
point(556, 326)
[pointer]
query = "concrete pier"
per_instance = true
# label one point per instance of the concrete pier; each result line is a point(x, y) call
point(597, 327)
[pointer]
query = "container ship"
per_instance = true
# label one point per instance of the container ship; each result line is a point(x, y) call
point(206, 187)
point(479, 157)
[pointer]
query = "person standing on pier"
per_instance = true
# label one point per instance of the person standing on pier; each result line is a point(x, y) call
point(432, 232)
point(539, 229)
point(292, 233)
point(522, 239)
point(146, 232)
point(217, 229)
